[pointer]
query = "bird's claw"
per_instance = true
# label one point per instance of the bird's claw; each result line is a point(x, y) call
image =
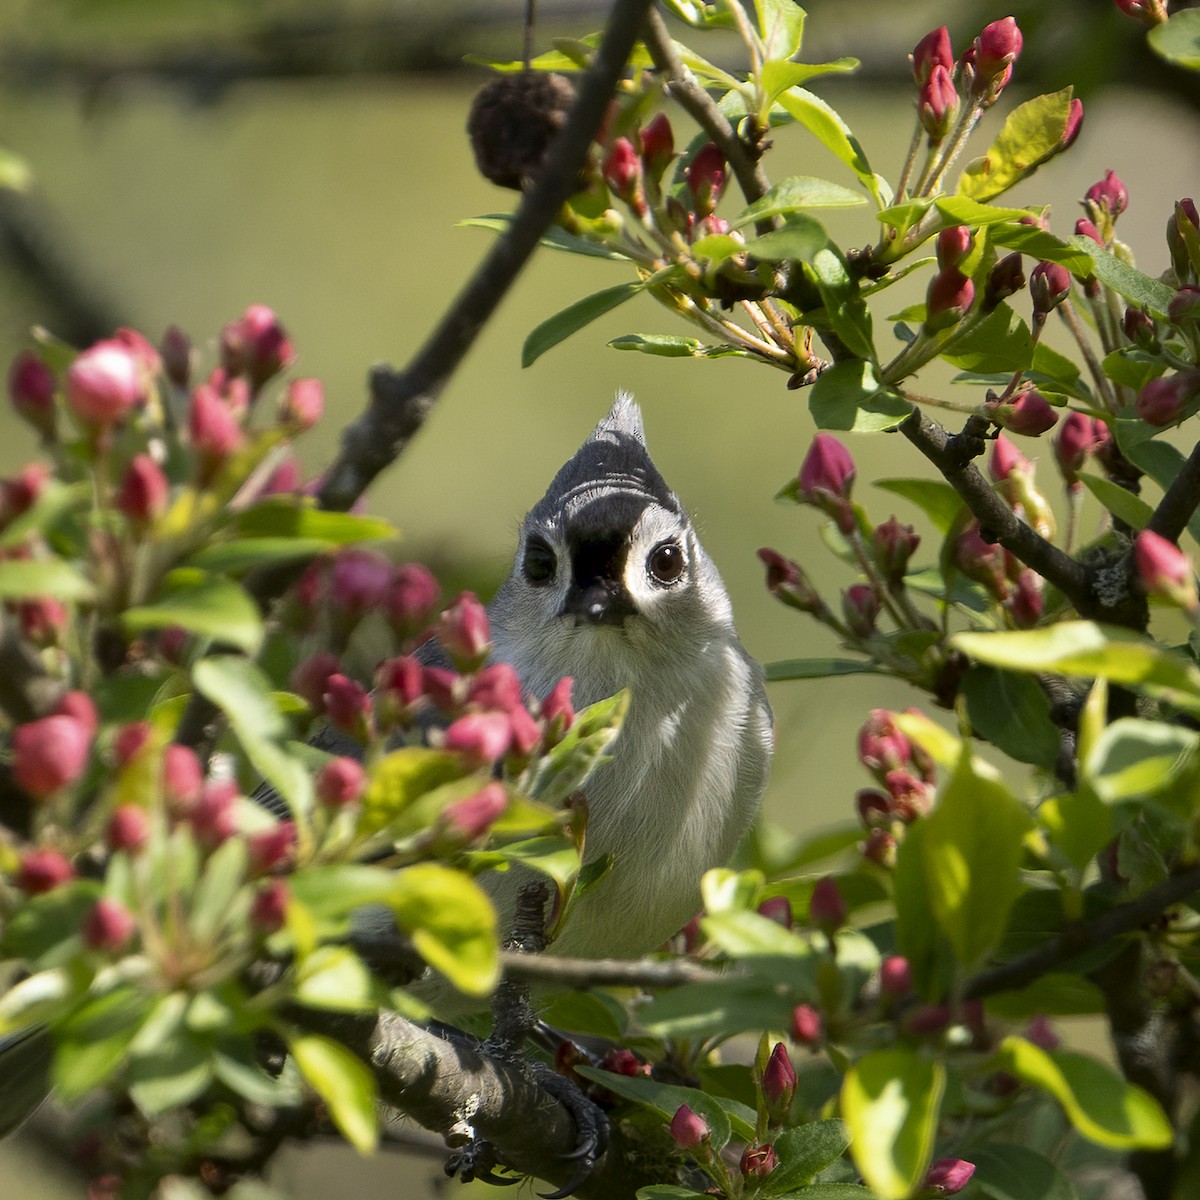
point(477, 1160)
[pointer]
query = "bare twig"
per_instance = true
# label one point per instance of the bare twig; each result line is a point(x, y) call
point(1179, 503)
point(606, 972)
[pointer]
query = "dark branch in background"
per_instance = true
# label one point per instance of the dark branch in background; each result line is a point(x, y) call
point(401, 400)
point(953, 458)
point(606, 972)
point(1180, 501)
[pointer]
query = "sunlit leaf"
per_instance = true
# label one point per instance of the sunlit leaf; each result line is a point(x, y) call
point(849, 396)
point(1178, 39)
point(573, 318)
point(344, 1083)
point(209, 606)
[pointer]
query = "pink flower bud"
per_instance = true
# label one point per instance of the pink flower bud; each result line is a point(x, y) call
point(31, 387)
point(881, 745)
point(874, 808)
point(1085, 228)
point(340, 783)
point(933, 50)
point(50, 754)
point(1184, 306)
point(1164, 570)
point(1109, 195)
point(807, 1027)
point(444, 688)
point(480, 737)
point(1149, 12)
point(303, 404)
point(777, 909)
point(1006, 459)
point(827, 909)
point(469, 819)
point(42, 871)
point(464, 633)
point(623, 172)
point(42, 620)
point(827, 470)
point(947, 1176)
point(860, 607)
point(894, 545)
point(497, 686)
point(706, 177)
point(108, 927)
point(786, 581)
point(949, 297)
point(173, 643)
point(212, 817)
point(22, 492)
point(144, 490)
point(182, 777)
point(779, 1079)
point(1041, 1032)
point(953, 245)
point(1027, 602)
point(526, 732)
point(259, 345)
point(130, 741)
point(128, 828)
point(624, 1062)
point(347, 706)
point(997, 47)
point(758, 1161)
point(1005, 279)
point(1162, 401)
point(358, 581)
point(271, 848)
point(937, 104)
point(928, 1020)
point(556, 708)
point(284, 480)
point(658, 144)
point(981, 561)
point(79, 705)
point(215, 431)
point(411, 598)
point(880, 848)
point(105, 383)
point(399, 685)
point(176, 351)
point(310, 678)
point(688, 1129)
point(1075, 442)
point(895, 977)
point(1073, 125)
point(1049, 286)
point(268, 910)
point(1139, 328)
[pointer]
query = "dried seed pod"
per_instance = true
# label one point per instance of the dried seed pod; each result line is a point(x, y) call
point(512, 122)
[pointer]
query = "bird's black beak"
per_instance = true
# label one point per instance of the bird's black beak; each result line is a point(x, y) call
point(600, 602)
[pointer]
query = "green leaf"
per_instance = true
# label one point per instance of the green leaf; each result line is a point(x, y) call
point(223, 874)
point(963, 210)
point(742, 934)
point(247, 1079)
point(21, 578)
point(1119, 501)
point(1006, 1171)
point(1132, 368)
point(282, 518)
point(818, 668)
point(593, 1014)
point(719, 1009)
point(1102, 1106)
point(207, 605)
point(44, 931)
point(176, 1074)
point(401, 778)
point(1013, 713)
point(15, 172)
point(1078, 823)
point(1040, 244)
point(828, 127)
point(1178, 39)
point(573, 318)
point(1133, 759)
point(797, 241)
point(849, 396)
point(451, 923)
point(1000, 343)
point(918, 935)
point(92, 1044)
point(803, 1153)
point(937, 500)
point(245, 554)
point(972, 850)
point(331, 891)
point(555, 238)
point(660, 344)
point(781, 27)
point(846, 312)
point(794, 195)
point(1093, 651)
point(1032, 133)
point(666, 1191)
point(335, 978)
point(890, 1101)
point(1138, 288)
point(585, 745)
point(344, 1083)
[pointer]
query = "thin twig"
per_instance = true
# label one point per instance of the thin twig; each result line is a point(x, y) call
point(606, 972)
point(1180, 501)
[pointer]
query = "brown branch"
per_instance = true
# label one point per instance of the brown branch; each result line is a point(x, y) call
point(1076, 939)
point(1179, 501)
point(605, 972)
point(952, 457)
point(401, 400)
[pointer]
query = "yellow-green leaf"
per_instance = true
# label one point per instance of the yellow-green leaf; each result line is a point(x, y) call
point(344, 1083)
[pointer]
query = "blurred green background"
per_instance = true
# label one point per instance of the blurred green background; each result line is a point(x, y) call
point(192, 158)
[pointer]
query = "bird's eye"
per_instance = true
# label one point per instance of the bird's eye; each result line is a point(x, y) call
point(665, 563)
point(540, 563)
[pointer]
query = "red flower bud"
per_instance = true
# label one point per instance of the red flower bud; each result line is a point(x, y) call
point(144, 490)
point(31, 387)
point(176, 351)
point(1027, 602)
point(399, 685)
point(50, 754)
point(412, 595)
point(880, 848)
point(874, 808)
point(130, 741)
point(212, 816)
point(1149, 12)
point(807, 1027)
point(443, 687)
point(310, 678)
point(827, 909)
point(997, 47)
point(1164, 570)
point(1049, 286)
point(42, 620)
point(271, 848)
point(105, 383)
point(268, 910)
point(953, 245)
point(79, 705)
point(758, 1161)
point(777, 909)
point(526, 732)
point(1006, 459)
point(108, 926)
point(497, 686)
point(128, 828)
point(42, 871)
point(937, 104)
point(624, 1062)
point(358, 581)
point(1041, 1032)
point(182, 777)
point(1076, 441)
point(933, 50)
point(1184, 305)
point(779, 1079)
point(947, 1176)
point(894, 545)
point(981, 561)
point(706, 177)
point(895, 976)
point(1073, 125)
point(469, 819)
point(215, 431)
point(786, 581)
point(1163, 400)
point(480, 737)
point(1139, 328)
point(347, 706)
point(622, 171)
point(860, 607)
point(658, 144)
point(1085, 228)
point(881, 745)
point(688, 1129)
point(256, 345)
point(1109, 195)
point(1005, 279)
point(303, 404)
point(556, 708)
point(340, 782)
point(949, 297)
point(464, 633)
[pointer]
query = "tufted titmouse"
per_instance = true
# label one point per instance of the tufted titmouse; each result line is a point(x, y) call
point(611, 586)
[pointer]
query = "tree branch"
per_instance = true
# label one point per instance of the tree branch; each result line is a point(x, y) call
point(605, 972)
point(993, 513)
point(1180, 500)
